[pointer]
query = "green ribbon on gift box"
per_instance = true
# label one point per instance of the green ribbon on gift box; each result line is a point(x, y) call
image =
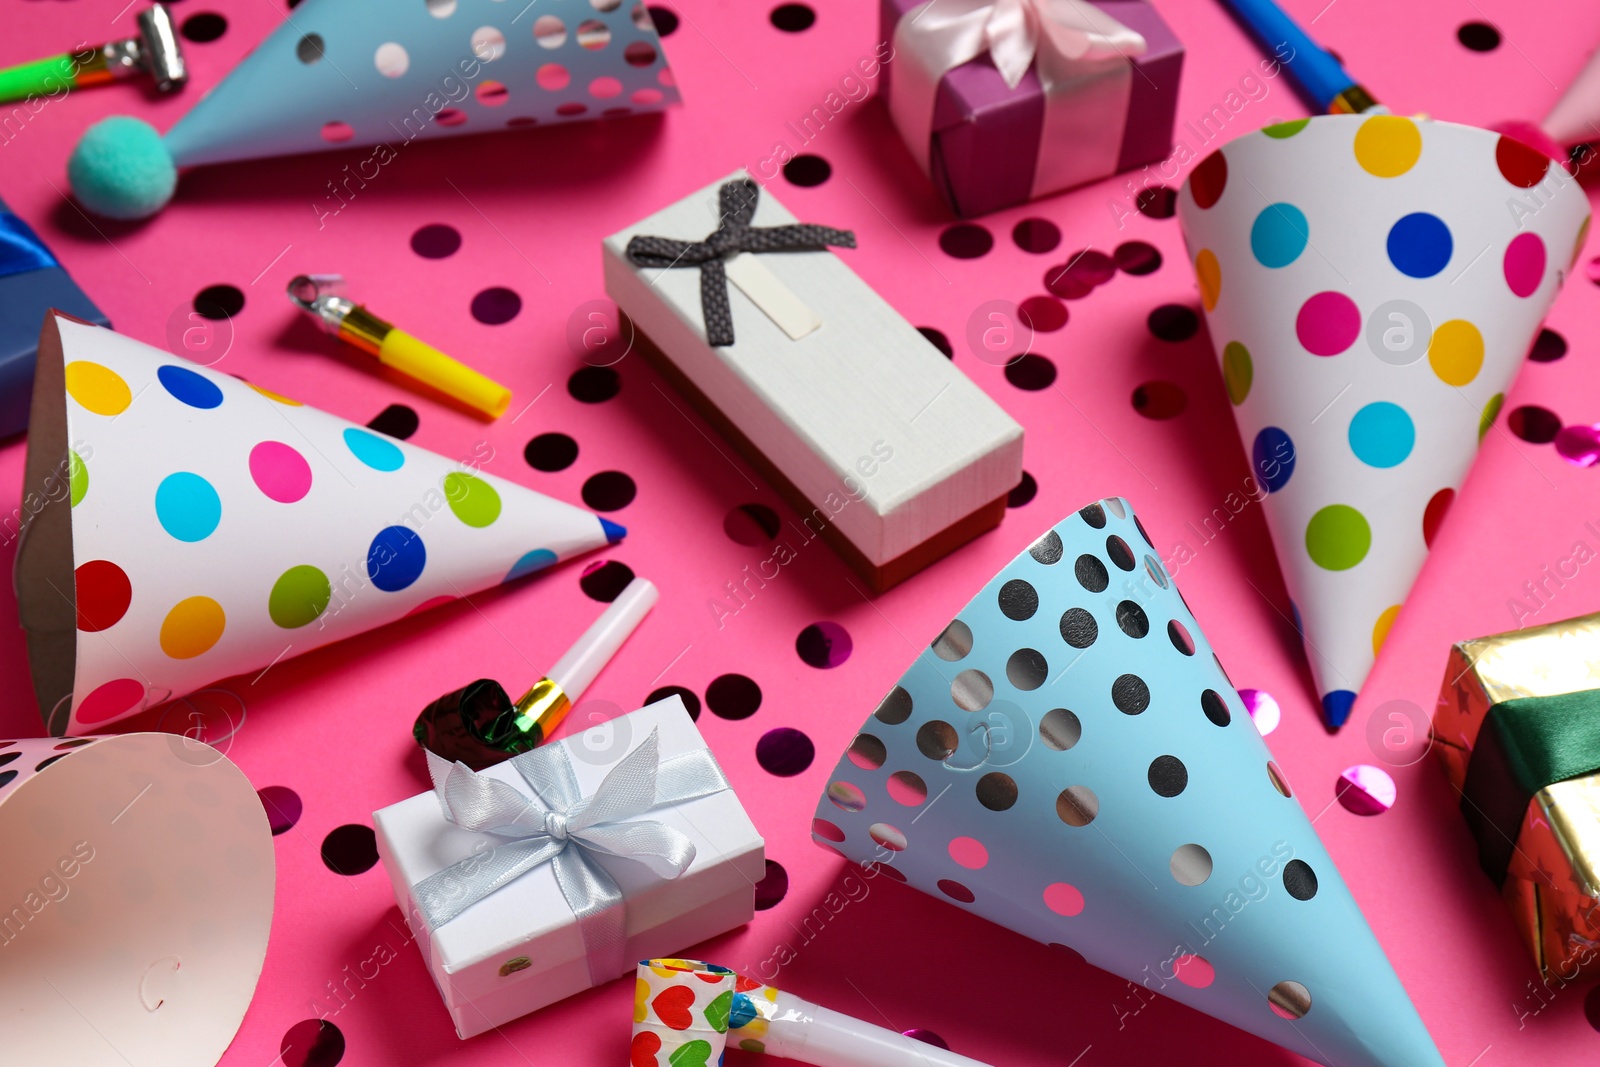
point(1524, 746)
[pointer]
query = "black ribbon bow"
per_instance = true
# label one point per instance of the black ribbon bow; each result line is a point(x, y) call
point(733, 235)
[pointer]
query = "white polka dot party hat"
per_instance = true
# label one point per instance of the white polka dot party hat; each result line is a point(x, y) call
point(1068, 759)
point(138, 884)
point(351, 73)
point(187, 526)
point(1371, 284)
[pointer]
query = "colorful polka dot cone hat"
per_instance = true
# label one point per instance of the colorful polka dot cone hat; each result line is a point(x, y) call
point(348, 73)
point(1371, 286)
point(193, 527)
point(681, 1010)
point(139, 874)
point(1068, 759)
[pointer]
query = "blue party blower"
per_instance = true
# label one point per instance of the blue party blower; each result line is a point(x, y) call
point(1318, 74)
point(32, 282)
point(1099, 785)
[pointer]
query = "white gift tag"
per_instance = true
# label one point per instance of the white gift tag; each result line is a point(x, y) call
point(777, 300)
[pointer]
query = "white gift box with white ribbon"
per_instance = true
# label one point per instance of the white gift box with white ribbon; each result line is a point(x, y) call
point(521, 947)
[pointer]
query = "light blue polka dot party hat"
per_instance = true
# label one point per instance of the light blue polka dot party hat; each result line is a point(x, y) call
point(350, 73)
point(1372, 284)
point(185, 526)
point(1068, 759)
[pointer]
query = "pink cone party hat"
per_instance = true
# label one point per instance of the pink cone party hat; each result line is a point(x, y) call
point(1372, 284)
point(138, 884)
point(188, 526)
point(350, 73)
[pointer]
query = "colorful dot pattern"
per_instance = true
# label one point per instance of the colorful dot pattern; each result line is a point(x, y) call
point(281, 528)
point(1106, 811)
point(1367, 326)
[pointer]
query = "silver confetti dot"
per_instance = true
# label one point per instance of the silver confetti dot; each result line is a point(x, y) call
point(894, 708)
point(1060, 729)
point(1077, 805)
point(972, 690)
point(867, 752)
point(887, 836)
point(937, 739)
point(997, 791)
point(1290, 1000)
point(1027, 669)
point(1191, 864)
point(954, 643)
point(846, 796)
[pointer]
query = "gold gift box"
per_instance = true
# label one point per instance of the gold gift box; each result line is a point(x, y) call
point(1553, 880)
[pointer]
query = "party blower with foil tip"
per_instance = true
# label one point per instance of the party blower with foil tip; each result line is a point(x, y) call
point(321, 297)
point(343, 74)
point(1371, 284)
point(686, 1011)
point(193, 526)
point(480, 725)
point(1129, 810)
point(155, 52)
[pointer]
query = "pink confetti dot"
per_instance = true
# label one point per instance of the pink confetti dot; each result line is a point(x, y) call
point(646, 97)
point(553, 76)
point(110, 700)
point(280, 472)
point(605, 88)
point(1524, 263)
point(1579, 445)
point(1263, 709)
point(969, 852)
point(1194, 971)
point(1328, 323)
point(1365, 790)
point(1063, 899)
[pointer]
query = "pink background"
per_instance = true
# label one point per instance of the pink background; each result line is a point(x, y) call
point(334, 726)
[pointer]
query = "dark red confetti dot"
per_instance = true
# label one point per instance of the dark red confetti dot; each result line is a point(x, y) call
point(1036, 235)
point(609, 491)
point(397, 420)
point(282, 805)
point(807, 170)
point(436, 241)
point(1159, 400)
point(551, 452)
point(6, 778)
point(1031, 372)
point(569, 109)
point(1520, 164)
point(1077, 277)
point(691, 702)
point(784, 752)
point(927, 1037)
point(103, 595)
point(1137, 257)
point(1173, 322)
point(605, 580)
point(1548, 347)
point(1023, 492)
point(1478, 36)
point(1433, 515)
point(823, 644)
point(664, 18)
point(793, 18)
point(938, 340)
point(1591, 1007)
point(1157, 202)
point(218, 302)
point(639, 54)
point(773, 887)
point(1043, 314)
point(10, 757)
point(1534, 424)
point(966, 240)
point(1209, 179)
point(750, 524)
point(203, 27)
point(733, 696)
point(594, 385)
point(311, 1043)
point(350, 849)
point(45, 763)
point(496, 305)
point(956, 891)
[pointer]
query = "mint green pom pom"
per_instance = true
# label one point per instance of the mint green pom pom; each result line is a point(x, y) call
point(121, 169)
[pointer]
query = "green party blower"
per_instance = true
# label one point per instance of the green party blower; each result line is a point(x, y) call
point(154, 51)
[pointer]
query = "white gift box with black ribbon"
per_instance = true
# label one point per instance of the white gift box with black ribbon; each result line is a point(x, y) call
point(629, 824)
point(883, 446)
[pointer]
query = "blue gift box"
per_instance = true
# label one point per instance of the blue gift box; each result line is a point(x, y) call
point(31, 283)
